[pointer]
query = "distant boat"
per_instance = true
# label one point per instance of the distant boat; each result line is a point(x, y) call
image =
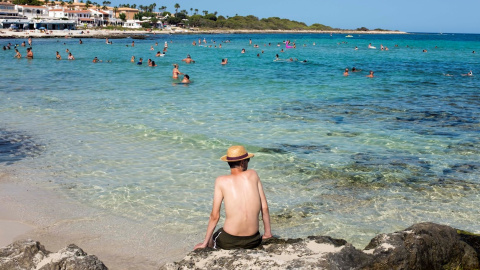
point(349, 36)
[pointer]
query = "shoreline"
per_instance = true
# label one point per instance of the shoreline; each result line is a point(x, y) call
point(141, 34)
point(30, 211)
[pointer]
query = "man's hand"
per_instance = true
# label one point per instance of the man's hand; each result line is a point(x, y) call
point(266, 236)
point(200, 245)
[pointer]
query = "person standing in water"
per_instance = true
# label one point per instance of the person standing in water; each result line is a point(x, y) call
point(175, 71)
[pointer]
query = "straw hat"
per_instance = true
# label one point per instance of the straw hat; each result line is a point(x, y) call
point(236, 153)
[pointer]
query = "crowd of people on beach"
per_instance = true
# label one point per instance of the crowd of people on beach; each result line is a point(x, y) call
point(188, 59)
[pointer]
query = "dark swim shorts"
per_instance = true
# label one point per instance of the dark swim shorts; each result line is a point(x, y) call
point(223, 240)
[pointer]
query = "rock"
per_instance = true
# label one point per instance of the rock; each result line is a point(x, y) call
point(29, 254)
point(421, 246)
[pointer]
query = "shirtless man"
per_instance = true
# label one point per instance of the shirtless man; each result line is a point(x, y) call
point(29, 53)
point(58, 56)
point(175, 71)
point(346, 72)
point(370, 75)
point(186, 79)
point(224, 61)
point(188, 60)
point(244, 200)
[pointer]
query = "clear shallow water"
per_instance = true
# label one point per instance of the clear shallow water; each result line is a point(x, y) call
point(346, 157)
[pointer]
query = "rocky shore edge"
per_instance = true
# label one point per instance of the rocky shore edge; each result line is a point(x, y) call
point(421, 246)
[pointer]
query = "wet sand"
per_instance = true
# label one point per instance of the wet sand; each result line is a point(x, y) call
point(28, 211)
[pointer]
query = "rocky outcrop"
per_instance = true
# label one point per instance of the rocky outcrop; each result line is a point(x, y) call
point(29, 254)
point(421, 246)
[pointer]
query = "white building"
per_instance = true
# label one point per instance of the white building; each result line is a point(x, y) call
point(81, 17)
point(32, 12)
point(57, 13)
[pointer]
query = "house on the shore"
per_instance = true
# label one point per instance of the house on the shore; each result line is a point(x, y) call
point(8, 11)
point(27, 17)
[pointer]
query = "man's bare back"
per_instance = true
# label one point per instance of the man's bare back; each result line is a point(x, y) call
point(242, 202)
point(244, 199)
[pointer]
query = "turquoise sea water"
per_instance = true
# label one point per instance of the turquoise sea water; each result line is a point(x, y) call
point(348, 157)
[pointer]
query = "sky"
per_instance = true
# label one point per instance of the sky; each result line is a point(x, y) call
point(437, 16)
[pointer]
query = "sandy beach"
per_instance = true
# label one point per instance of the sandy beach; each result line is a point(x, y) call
point(28, 211)
point(7, 33)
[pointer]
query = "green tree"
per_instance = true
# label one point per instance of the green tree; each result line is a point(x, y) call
point(177, 6)
point(154, 21)
point(122, 17)
point(174, 20)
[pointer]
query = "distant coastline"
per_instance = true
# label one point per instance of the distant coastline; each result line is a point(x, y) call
point(140, 34)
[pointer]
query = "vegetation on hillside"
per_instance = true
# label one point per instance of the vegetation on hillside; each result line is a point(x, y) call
point(207, 20)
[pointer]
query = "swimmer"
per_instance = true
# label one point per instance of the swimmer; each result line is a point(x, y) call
point(133, 43)
point(29, 53)
point(370, 75)
point(58, 56)
point(140, 62)
point(224, 61)
point(70, 56)
point(424, 51)
point(186, 79)
point(243, 50)
point(188, 60)
point(354, 69)
point(175, 71)
point(149, 62)
point(356, 48)
point(152, 64)
point(132, 59)
point(29, 41)
point(80, 41)
point(23, 44)
point(95, 60)
point(370, 46)
point(345, 73)
point(17, 54)
point(67, 50)
point(469, 74)
point(151, 48)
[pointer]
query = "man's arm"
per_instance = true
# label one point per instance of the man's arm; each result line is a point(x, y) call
point(265, 213)
point(214, 216)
